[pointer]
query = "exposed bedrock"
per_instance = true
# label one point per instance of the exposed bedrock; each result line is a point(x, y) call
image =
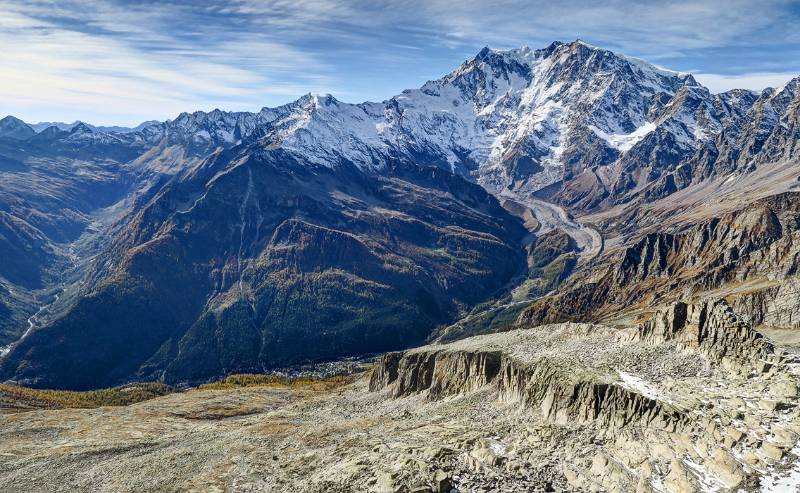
point(442, 373)
point(563, 395)
point(756, 247)
point(693, 399)
point(775, 306)
point(712, 328)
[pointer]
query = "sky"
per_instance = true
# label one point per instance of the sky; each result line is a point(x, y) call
point(112, 62)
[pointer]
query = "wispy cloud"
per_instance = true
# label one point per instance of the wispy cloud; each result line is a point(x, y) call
point(132, 64)
point(755, 81)
point(115, 61)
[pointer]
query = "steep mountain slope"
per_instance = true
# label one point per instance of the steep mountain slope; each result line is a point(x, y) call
point(257, 259)
point(578, 124)
point(15, 129)
point(47, 201)
point(572, 123)
point(745, 254)
point(59, 193)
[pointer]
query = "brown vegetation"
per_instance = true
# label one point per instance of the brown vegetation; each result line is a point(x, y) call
point(20, 398)
point(272, 380)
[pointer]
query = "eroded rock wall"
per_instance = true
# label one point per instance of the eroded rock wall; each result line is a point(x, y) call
point(562, 395)
point(713, 328)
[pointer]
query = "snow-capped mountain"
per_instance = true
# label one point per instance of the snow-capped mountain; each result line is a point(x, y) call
point(41, 126)
point(580, 125)
point(498, 116)
point(216, 231)
point(585, 123)
point(14, 128)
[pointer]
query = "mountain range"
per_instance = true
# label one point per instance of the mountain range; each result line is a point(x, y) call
point(568, 182)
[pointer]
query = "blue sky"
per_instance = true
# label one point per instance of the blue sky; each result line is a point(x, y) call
point(120, 62)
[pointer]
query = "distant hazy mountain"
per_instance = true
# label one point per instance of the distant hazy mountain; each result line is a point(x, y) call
point(14, 128)
point(38, 127)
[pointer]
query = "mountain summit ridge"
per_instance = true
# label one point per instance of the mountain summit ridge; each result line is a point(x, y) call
point(603, 126)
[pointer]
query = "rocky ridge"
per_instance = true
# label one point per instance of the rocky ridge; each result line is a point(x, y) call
point(580, 124)
point(690, 400)
point(674, 423)
point(748, 253)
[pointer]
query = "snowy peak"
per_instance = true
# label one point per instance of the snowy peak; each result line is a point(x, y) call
point(81, 128)
point(313, 101)
point(524, 119)
point(14, 128)
point(84, 134)
point(41, 126)
point(787, 91)
point(589, 123)
point(519, 114)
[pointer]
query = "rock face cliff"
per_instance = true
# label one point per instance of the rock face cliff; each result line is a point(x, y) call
point(713, 329)
point(692, 399)
point(774, 306)
point(561, 388)
point(738, 251)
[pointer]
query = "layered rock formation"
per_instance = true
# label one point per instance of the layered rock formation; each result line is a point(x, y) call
point(563, 391)
point(692, 399)
point(713, 329)
point(774, 306)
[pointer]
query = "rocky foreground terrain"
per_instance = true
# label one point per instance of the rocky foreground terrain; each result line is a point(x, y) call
point(691, 399)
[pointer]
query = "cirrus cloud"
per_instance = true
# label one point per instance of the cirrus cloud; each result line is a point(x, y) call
point(115, 61)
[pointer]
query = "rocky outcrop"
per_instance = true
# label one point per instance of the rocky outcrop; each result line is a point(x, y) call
point(775, 306)
point(693, 399)
point(563, 407)
point(441, 373)
point(562, 394)
point(712, 328)
point(565, 395)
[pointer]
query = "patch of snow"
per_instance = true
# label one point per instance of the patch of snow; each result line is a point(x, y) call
point(709, 482)
point(658, 484)
point(786, 481)
point(632, 382)
point(649, 67)
point(498, 448)
point(729, 179)
point(624, 142)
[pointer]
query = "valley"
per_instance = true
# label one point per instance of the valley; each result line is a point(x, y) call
point(553, 217)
